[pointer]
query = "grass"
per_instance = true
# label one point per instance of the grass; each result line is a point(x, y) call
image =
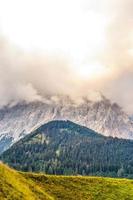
point(28, 186)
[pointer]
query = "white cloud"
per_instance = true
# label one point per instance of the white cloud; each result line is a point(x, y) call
point(70, 35)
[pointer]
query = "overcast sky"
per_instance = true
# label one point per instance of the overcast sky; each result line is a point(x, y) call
point(66, 47)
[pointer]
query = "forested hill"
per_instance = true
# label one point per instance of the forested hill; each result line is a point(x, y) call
point(63, 147)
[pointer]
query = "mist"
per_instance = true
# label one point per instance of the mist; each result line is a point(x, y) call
point(33, 75)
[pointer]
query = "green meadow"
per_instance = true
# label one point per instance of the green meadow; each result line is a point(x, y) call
point(16, 185)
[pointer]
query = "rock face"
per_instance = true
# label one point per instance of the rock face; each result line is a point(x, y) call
point(102, 116)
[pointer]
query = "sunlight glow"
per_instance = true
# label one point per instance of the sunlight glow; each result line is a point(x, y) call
point(55, 27)
point(52, 25)
point(93, 70)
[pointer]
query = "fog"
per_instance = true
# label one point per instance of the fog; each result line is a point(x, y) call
point(33, 75)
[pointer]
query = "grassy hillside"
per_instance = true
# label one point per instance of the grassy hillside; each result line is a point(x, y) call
point(14, 186)
point(27, 186)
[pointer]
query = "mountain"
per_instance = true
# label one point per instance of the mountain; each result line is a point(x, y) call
point(63, 147)
point(28, 186)
point(101, 115)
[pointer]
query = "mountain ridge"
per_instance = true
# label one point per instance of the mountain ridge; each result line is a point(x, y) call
point(102, 116)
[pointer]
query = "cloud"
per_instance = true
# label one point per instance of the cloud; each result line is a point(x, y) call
point(31, 76)
point(117, 54)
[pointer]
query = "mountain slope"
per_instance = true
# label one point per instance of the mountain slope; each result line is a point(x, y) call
point(15, 185)
point(63, 147)
point(101, 116)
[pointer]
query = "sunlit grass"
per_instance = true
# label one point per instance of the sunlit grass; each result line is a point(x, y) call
point(27, 186)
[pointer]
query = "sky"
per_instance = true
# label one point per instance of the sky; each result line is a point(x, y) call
point(72, 47)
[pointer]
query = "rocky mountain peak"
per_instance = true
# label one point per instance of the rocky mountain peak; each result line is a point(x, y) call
point(100, 115)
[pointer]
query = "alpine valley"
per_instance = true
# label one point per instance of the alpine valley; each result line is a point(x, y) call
point(66, 100)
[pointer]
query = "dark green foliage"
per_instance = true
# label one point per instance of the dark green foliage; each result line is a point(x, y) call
point(63, 147)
